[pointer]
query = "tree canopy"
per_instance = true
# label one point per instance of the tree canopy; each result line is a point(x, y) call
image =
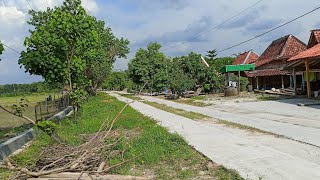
point(68, 46)
point(149, 66)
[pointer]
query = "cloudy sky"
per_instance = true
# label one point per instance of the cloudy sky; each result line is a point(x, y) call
point(174, 23)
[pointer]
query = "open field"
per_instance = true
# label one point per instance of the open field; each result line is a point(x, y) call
point(10, 125)
point(160, 155)
point(7, 120)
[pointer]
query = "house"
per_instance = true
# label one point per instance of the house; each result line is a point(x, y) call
point(269, 71)
point(308, 62)
point(247, 57)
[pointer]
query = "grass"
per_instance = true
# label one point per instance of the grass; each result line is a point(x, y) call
point(180, 112)
point(244, 127)
point(160, 153)
point(8, 133)
point(202, 98)
point(192, 102)
point(131, 96)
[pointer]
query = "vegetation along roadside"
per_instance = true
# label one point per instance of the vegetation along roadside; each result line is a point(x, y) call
point(155, 152)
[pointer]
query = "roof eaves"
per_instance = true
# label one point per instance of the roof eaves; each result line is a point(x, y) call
point(248, 55)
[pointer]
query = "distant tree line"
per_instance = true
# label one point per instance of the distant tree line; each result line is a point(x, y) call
point(18, 89)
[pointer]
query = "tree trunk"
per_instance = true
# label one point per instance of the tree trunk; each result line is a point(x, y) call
point(69, 68)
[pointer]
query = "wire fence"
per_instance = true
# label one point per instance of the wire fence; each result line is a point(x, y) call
point(49, 107)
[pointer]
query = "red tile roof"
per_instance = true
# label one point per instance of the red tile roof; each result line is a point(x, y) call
point(269, 72)
point(266, 72)
point(247, 57)
point(313, 52)
point(314, 38)
point(281, 49)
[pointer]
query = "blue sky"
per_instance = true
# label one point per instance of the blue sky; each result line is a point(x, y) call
point(173, 23)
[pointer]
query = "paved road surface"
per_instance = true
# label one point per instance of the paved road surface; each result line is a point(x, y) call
point(252, 155)
point(279, 117)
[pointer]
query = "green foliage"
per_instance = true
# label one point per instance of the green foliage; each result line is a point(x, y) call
point(68, 46)
point(16, 89)
point(154, 147)
point(53, 46)
point(1, 49)
point(117, 81)
point(181, 73)
point(149, 66)
point(78, 96)
point(48, 127)
point(179, 81)
point(217, 80)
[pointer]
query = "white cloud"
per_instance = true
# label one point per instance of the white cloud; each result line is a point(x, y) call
point(91, 6)
point(11, 16)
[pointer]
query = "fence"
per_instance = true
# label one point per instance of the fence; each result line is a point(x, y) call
point(51, 106)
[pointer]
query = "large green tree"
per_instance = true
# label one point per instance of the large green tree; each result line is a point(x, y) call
point(67, 46)
point(101, 56)
point(149, 67)
point(55, 48)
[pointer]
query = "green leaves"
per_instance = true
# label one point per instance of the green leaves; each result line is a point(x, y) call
point(66, 42)
point(1, 49)
point(149, 66)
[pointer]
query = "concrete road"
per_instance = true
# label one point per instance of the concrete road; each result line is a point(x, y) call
point(279, 117)
point(253, 155)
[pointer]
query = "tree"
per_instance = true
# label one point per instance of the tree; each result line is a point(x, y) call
point(55, 48)
point(116, 81)
point(1, 49)
point(101, 56)
point(179, 81)
point(149, 66)
point(67, 46)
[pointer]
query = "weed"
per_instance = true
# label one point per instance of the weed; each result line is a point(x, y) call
point(192, 102)
point(180, 112)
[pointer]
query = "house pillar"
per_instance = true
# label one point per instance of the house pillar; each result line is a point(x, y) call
point(302, 83)
point(257, 81)
point(294, 81)
point(308, 77)
point(264, 82)
point(282, 82)
point(239, 89)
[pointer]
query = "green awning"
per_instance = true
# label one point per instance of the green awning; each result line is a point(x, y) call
point(237, 68)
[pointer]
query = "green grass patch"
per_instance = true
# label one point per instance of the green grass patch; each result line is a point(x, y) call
point(202, 98)
point(244, 127)
point(131, 96)
point(192, 102)
point(180, 112)
point(272, 97)
point(156, 151)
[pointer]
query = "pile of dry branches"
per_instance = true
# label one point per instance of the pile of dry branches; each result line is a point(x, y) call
point(84, 158)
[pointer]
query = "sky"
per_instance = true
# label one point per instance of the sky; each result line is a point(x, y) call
point(175, 24)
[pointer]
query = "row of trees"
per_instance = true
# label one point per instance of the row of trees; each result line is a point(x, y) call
point(17, 89)
point(68, 46)
point(150, 67)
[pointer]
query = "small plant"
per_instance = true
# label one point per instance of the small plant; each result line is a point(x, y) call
point(48, 127)
point(19, 109)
